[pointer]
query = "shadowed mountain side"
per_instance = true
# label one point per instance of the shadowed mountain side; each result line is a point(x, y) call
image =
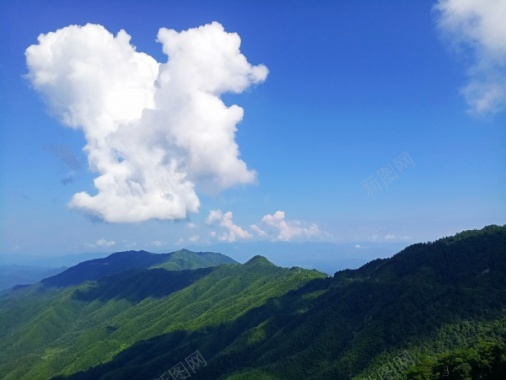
point(50, 332)
point(138, 284)
point(259, 321)
point(148, 359)
point(337, 328)
point(324, 330)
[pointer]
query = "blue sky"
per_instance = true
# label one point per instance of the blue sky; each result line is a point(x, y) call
point(378, 123)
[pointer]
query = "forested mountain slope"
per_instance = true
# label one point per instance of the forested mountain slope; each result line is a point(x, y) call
point(51, 330)
point(434, 311)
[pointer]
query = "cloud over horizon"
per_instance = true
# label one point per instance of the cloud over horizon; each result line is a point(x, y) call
point(287, 230)
point(154, 131)
point(233, 231)
point(102, 242)
point(479, 26)
point(278, 228)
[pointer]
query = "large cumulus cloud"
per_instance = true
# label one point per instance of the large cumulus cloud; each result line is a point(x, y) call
point(154, 131)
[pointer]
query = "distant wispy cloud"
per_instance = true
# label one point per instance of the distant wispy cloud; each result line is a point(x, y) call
point(289, 230)
point(145, 121)
point(68, 158)
point(388, 237)
point(158, 243)
point(478, 27)
point(102, 243)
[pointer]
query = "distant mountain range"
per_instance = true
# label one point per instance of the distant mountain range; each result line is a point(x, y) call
point(123, 261)
point(433, 311)
point(40, 261)
point(15, 275)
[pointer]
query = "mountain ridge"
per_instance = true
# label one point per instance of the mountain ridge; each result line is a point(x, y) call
point(260, 321)
point(126, 260)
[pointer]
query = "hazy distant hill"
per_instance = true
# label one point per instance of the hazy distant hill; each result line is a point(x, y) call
point(42, 261)
point(12, 275)
point(433, 311)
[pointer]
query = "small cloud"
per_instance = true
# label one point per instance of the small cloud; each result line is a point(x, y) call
point(68, 158)
point(234, 231)
point(288, 230)
point(191, 225)
point(193, 238)
point(214, 216)
point(157, 243)
point(277, 228)
point(69, 178)
point(258, 230)
point(127, 244)
point(65, 155)
point(389, 236)
point(102, 243)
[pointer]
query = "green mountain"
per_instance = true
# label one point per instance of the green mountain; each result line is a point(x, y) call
point(433, 311)
point(121, 261)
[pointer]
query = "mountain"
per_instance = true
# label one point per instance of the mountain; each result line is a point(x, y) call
point(122, 261)
point(434, 311)
point(63, 330)
point(327, 257)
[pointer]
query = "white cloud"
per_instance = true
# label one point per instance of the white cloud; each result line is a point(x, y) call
point(102, 243)
point(233, 231)
point(479, 25)
point(154, 131)
point(277, 228)
point(128, 244)
point(193, 238)
point(214, 216)
point(386, 237)
point(289, 230)
point(158, 243)
point(258, 230)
